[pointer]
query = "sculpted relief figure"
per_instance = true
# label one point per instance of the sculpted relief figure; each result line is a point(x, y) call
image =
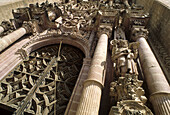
point(123, 55)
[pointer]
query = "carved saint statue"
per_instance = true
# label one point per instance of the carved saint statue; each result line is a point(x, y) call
point(123, 55)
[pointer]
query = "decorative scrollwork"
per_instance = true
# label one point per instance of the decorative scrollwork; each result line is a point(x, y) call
point(53, 93)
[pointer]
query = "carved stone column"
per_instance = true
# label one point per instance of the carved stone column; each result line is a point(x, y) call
point(157, 84)
point(90, 99)
point(1, 29)
point(12, 37)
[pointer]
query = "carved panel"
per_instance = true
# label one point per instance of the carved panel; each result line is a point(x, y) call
point(42, 84)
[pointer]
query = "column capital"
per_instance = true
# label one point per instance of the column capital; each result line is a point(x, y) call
point(23, 54)
point(139, 31)
point(104, 30)
point(28, 26)
point(6, 25)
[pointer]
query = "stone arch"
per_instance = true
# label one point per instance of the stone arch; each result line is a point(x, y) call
point(79, 43)
point(46, 80)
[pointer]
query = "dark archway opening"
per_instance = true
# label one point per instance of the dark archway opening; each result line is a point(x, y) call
point(43, 84)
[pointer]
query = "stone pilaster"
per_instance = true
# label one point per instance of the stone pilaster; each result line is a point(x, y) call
point(154, 76)
point(90, 99)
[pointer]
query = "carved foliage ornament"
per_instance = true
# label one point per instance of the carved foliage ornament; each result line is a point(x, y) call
point(128, 88)
point(130, 107)
point(139, 31)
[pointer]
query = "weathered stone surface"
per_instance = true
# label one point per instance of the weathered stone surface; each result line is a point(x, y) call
point(82, 24)
point(130, 107)
point(91, 95)
point(7, 7)
point(158, 26)
point(155, 78)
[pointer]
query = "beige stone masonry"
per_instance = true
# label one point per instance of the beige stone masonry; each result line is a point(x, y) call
point(6, 7)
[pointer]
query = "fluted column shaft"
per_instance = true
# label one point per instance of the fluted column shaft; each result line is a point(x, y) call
point(1, 29)
point(11, 38)
point(161, 103)
point(90, 99)
point(155, 78)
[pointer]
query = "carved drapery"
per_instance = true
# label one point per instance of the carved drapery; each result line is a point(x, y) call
point(43, 83)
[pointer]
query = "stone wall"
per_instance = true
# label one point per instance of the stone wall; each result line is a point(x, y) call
point(159, 28)
point(6, 8)
point(146, 3)
point(159, 23)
